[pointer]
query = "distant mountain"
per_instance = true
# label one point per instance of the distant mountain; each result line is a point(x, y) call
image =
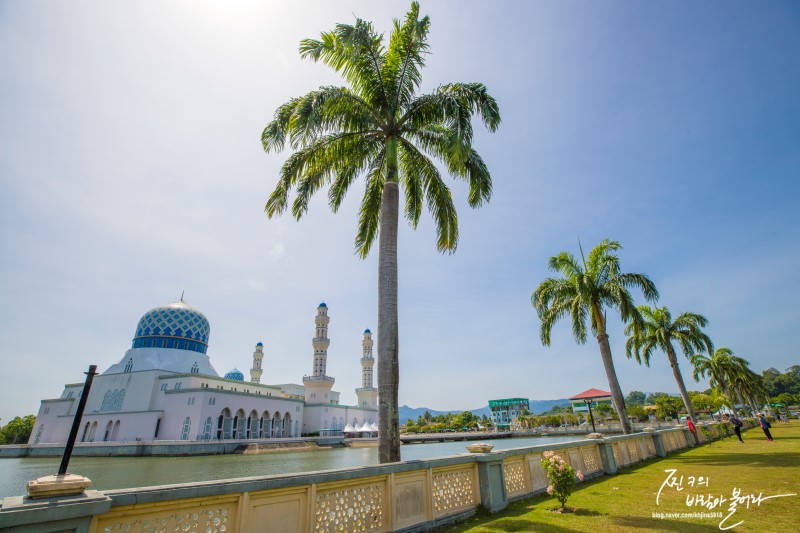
point(542, 406)
point(413, 413)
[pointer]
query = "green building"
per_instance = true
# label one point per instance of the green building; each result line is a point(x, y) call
point(504, 411)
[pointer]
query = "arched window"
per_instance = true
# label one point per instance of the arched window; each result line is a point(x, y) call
point(129, 365)
point(85, 432)
point(195, 368)
point(207, 429)
point(187, 425)
point(107, 433)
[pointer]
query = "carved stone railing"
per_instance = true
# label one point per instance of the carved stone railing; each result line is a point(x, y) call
point(406, 496)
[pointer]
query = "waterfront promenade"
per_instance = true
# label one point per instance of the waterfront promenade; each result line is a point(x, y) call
point(627, 501)
point(414, 495)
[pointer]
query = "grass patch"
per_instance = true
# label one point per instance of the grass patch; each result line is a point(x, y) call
point(627, 501)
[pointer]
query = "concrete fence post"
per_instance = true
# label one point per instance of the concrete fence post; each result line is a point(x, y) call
point(689, 437)
point(607, 457)
point(492, 482)
point(658, 442)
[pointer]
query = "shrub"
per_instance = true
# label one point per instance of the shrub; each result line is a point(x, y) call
point(561, 477)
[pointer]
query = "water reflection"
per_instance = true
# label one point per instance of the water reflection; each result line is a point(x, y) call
point(124, 472)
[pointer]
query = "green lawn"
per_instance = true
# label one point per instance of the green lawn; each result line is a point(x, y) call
point(627, 501)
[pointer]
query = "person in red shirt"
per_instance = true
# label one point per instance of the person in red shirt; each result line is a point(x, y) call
point(692, 428)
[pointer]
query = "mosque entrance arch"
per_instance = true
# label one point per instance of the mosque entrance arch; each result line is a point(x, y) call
point(252, 425)
point(266, 425)
point(239, 423)
point(277, 429)
point(224, 425)
point(287, 425)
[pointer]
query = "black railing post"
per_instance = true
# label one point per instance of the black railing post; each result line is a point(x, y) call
point(591, 417)
point(76, 423)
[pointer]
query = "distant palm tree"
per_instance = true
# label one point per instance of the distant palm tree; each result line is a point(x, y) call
point(721, 368)
point(380, 128)
point(585, 291)
point(748, 385)
point(657, 331)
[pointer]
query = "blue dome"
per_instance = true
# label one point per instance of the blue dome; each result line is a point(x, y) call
point(367, 331)
point(176, 325)
point(260, 344)
point(235, 374)
point(323, 304)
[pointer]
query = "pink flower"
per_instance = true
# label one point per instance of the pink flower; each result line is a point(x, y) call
point(550, 490)
point(580, 475)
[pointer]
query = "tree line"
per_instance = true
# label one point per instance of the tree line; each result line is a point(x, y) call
point(18, 431)
point(585, 290)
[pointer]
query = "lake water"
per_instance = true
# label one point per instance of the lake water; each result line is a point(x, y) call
point(125, 472)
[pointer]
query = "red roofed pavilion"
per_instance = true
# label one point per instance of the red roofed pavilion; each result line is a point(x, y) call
point(596, 396)
point(591, 393)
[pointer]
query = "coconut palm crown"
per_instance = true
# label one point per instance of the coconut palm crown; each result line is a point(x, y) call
point(378, 127)
point(731, 374)
point(584, 291)
point(657, 331)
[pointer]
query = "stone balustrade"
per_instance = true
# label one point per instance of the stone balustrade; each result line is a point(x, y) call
point(407, 496)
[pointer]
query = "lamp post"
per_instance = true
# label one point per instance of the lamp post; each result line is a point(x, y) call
point(588, 403)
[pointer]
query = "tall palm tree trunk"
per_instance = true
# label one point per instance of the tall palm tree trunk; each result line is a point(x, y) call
point(388, 340)
point(739, 396)
point(676, 371)
point(613, 383)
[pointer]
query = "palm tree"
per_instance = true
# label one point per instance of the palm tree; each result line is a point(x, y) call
point(721, 368)
point(585, 290)
point(380, 128)
point(657, 331)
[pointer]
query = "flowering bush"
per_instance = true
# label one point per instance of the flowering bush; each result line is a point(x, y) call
point(561, 477)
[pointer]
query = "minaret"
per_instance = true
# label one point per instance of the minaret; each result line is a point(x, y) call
point(318, 385)
point(367, 394)
point(258, 355)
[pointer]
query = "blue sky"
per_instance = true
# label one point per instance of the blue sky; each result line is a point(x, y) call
point(131, 170)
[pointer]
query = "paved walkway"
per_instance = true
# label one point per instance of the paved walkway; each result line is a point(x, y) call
point(707, 484)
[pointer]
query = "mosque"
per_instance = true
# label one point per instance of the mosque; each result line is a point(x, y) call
point(165, 388)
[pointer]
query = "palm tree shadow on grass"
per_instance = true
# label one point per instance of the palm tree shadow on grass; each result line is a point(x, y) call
point(751, 459)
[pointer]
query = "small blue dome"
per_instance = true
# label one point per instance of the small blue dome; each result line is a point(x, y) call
point(323, 304)
point(235, 375)
point(260, 344)
point(367, 331)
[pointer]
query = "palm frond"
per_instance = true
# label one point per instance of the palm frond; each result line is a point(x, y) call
point(370, 210)
point(402, 68)
point(355, 51)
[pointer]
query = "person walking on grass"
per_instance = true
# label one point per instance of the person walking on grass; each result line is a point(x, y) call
point(693, 429)
point(737, 426)
point(765, 425)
